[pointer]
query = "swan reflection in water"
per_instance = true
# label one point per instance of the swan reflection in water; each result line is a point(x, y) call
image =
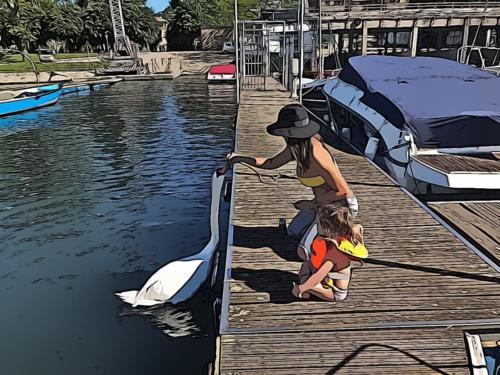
point(174, 321)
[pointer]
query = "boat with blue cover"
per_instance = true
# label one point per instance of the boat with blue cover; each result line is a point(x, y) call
point(433, 124)
point(28, 99)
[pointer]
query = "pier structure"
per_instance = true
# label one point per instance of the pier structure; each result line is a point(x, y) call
point(398, 27)
point(409, 308)
point(410, 28)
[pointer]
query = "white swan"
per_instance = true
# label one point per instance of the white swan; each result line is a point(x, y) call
point(179, 280)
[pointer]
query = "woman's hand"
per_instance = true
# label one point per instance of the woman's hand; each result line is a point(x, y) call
point(223, 169)
point(228, 164)
point(230, 158)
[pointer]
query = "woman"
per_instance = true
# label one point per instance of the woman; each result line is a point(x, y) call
point(316, 169)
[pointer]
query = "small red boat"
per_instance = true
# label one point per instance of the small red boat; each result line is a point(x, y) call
point(222, 73)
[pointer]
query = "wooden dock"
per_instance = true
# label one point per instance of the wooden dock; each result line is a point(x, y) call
point(478, 220)
point(408, 306)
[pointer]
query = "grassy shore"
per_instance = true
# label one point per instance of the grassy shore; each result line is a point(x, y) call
point(15, 64)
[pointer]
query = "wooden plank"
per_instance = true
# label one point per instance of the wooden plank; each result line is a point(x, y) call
point(477, 220)
point(423, 351)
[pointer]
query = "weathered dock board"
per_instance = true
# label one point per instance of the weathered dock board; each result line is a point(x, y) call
point(479, 220)
point(419, 281)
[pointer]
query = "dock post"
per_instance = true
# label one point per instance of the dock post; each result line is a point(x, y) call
point(465, 39)
point(364, 48)
point(414, 40)
point(488, 37)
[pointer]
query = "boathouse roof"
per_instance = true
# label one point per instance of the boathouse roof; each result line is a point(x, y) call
point(442, 102)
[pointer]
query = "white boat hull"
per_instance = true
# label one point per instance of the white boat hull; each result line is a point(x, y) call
point(400, 159)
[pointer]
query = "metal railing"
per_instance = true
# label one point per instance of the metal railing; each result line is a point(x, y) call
point(486, 58)
point(347, 6)
point(261, 52)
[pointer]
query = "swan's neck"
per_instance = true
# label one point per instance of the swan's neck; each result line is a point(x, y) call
point(214, 215)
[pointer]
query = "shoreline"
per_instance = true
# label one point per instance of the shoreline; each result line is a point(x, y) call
point(161, 65)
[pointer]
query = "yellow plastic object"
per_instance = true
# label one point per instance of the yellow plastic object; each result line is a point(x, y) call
point(359, 250)
point(327, 283)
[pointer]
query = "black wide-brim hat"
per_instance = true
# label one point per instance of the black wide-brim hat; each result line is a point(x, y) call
point(293, 122)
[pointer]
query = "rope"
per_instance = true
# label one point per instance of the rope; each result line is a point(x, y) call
point(275, 177)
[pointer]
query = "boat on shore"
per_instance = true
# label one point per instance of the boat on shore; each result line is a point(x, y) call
point(432, 124)
point(224, 73)
point(27, 99)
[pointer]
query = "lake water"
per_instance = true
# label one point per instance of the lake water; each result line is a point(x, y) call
point(96, 193)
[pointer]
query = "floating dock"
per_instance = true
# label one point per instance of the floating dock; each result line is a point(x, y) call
point(408, 307)
point(479, 220)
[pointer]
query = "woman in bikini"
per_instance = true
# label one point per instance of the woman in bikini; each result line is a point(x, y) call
point(316, 169)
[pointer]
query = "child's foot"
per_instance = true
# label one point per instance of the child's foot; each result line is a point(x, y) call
point(296, 292)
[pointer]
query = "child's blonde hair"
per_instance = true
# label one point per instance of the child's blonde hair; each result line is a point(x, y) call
point(334, 222)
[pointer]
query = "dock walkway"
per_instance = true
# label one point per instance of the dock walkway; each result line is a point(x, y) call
point(407, 308)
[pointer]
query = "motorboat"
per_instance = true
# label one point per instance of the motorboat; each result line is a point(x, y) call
point(432, 124)
point(224, 73)
point(28, 99)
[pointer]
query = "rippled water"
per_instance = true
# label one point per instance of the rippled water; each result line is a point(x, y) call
point(97, 192)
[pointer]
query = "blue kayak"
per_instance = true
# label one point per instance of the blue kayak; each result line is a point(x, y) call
point(25, 100)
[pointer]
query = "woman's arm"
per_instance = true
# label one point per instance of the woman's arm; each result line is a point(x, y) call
point(274, 162)
point(332, 175)
point(316, 277)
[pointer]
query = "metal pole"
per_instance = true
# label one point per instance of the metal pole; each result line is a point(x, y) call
point(321, 60)
point(301, 47)
point(237, 43)
point(283, 56)
point(244, 55)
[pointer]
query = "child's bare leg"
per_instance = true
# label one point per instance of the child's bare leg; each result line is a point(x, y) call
point(304, 273)
point(325, 294)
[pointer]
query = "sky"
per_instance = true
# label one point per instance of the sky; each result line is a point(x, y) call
point(158, 5)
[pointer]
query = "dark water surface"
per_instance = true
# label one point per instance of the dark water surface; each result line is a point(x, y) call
point(96, 193)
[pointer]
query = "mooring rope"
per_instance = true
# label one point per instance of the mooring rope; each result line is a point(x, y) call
point(274, 177)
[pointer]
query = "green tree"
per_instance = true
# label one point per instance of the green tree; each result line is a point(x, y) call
point(23, 24)
point(96, 20)
point(140, 23)
point(66, 24)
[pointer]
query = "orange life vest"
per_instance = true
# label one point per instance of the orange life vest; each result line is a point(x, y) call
point(320, 246)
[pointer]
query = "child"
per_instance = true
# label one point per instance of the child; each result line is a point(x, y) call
point(326, 273)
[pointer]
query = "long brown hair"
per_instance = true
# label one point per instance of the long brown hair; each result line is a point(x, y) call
point(334, 221)
point(301, 151)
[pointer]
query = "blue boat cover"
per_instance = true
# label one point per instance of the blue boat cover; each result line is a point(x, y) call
point(443, 103)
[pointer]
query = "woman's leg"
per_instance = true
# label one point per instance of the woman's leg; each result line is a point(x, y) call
point(301, 222)
point(305, 272)
point(304, 248)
